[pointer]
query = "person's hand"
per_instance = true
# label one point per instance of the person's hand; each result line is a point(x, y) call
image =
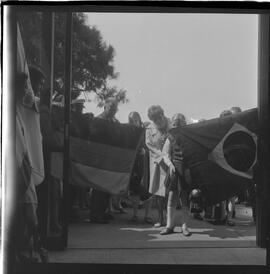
point(29, 98)
point(171, 169)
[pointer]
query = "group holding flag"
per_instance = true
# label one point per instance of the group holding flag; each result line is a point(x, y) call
point(166, 159)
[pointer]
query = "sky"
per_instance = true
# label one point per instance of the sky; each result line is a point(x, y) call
point(196, 64)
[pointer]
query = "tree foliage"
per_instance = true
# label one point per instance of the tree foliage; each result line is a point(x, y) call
point(92, 58)
point(111, 92)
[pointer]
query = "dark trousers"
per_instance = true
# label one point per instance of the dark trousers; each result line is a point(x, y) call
point(42, 210)
point(99, 203)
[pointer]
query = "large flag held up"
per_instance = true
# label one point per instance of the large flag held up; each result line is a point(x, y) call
point(29, 153)
point(105, 160)
point(221, 154)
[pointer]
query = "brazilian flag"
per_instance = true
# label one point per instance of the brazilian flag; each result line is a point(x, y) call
point(221, 154)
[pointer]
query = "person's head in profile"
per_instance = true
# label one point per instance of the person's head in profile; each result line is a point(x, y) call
point(235, 110)
point(110, 107)
point(134, 119)
point(24, 91)
point(77, 106)
point(178, 120)
point(37, 77)
point(225, 113)
point(156, 115)
point(89, 116)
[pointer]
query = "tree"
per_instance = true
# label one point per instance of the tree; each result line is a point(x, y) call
point(92, 57)
point(108, 92)
point(30, 27)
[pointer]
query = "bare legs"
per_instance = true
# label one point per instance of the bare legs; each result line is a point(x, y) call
point(171, 208)
point(171, 213)
point(135, 205)
point(160, 204)
point(231, 208)
point(118, 204)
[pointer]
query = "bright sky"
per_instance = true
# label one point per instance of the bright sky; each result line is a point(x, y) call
point(196, 64)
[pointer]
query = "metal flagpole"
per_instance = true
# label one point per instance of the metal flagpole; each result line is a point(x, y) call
point(48, 28)
point(52, 59)
point(66, 162)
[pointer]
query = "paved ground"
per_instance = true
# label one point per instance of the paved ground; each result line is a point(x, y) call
point(122, 241)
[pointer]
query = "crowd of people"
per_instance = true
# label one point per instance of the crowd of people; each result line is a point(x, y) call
point(159, 173)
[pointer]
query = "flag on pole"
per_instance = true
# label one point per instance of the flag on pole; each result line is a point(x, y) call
point(221, 153)
point(30, 118)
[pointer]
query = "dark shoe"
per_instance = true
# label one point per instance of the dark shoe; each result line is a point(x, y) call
point(43, 253)
point(121, 210)
point(186, 232)
point(134, 219)
point(166, 231)
point(230, 223)
point(108, 216)
point(197, 216)
point(148, 220)
point(99, 220)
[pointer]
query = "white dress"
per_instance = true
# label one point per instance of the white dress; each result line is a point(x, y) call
point(155, 140)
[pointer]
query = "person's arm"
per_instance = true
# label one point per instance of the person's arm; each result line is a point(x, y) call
point(166, 151)
point(151, 147)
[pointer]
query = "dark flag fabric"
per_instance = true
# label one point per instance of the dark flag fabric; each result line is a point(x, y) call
point(221, 154)
point(105, 159)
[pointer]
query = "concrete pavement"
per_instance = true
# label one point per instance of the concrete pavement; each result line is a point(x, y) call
point(122, 241)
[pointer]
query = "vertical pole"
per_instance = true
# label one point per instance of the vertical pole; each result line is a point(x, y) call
point(9, 187)
point(51, 64)
point(263, 180)
point(48, 66)
point(52, 58)
point(66, 163)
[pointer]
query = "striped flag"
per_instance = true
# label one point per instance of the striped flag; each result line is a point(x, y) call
point(221, 154)
point(105, 160)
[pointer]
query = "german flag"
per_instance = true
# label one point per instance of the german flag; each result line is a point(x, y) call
point(105, 160)
point(221, 154)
